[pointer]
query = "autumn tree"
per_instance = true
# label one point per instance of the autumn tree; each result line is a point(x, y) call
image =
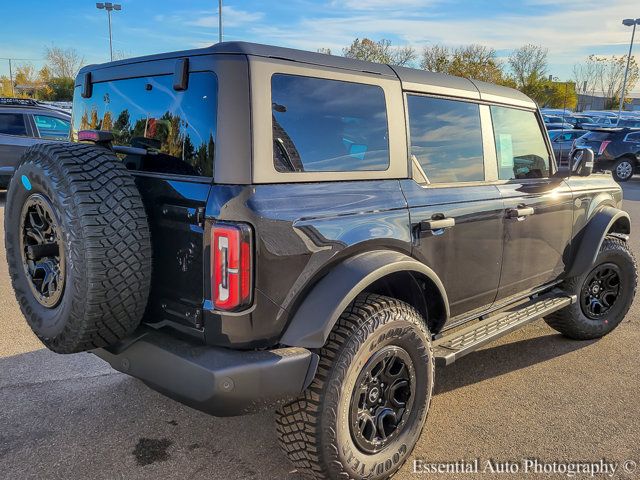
point(380, 52)
point(553, 94)
point(436, 58)
point(610, 77)
point(63, 63)
point(471, 61)
point(529, 66)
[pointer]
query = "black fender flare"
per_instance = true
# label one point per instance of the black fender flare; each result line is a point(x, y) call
point(313, 320)
point(593, 235)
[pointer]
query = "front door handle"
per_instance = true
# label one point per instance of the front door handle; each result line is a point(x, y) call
point(520, 212)
point(436, 224)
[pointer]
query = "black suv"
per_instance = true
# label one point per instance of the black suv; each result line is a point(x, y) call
point(616, 149)
point(244, 226)
point(25, 122)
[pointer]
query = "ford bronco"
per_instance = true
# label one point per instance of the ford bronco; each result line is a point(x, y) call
point(245, 227)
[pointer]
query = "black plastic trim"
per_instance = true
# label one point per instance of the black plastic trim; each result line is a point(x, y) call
point(217, 381)
point(314, 319)
point(181, 74)
point(87, 85)
point(593, 235)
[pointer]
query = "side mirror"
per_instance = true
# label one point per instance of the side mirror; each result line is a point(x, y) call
point(582, 162)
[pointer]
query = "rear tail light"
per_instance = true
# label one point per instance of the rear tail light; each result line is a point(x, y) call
point(603, 146)
point(231, 266)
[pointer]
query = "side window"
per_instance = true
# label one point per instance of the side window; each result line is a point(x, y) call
point(446, 139)
point(51, 127)
point(12, 124)
point(322, 125)
point(522, 152)
point(633, 137)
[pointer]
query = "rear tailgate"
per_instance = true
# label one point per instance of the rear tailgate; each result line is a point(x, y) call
point(173, 131)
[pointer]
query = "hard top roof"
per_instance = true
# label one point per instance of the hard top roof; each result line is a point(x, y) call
point(457, 86)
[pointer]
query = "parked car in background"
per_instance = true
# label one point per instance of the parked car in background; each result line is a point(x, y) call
point(616, 149)
point(25, 122)
point(555, 122)
point(578, 121)
point(562, 143)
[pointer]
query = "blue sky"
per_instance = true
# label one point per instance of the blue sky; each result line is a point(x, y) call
point(570, 30)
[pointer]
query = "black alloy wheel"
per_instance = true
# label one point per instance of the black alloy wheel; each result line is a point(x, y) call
point(382, 399)
point(600, 291)
point(42, 250)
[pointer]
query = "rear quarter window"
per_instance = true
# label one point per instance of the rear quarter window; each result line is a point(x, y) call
point(12, 124)
point(178, 128)
point(322, 125)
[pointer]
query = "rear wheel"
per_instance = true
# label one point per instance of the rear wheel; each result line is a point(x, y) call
point(78, 246)
point(604, 294)
point(623, 170)
point(364, 411)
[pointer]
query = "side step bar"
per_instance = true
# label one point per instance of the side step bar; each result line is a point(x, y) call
point(450, 348)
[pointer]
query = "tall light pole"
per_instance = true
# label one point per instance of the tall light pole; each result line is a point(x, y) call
point(627, 22)
point(109, 7)
point(220, 21)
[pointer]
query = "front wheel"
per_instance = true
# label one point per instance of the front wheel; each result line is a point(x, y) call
point(604, 294)
point(364, 411)
point(623, 170)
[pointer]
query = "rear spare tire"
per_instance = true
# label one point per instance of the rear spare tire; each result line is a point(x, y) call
point(78, 246)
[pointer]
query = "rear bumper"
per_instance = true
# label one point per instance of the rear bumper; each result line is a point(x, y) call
point(215, 380)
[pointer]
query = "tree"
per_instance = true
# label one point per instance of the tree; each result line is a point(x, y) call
point(471, 61)
point(63, 63)
point(529, 66)
point(436, 58)
point(554, 94)
point(380, 52)
point(610, 77)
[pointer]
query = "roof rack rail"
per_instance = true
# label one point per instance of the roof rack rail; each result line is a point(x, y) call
point(29, 102)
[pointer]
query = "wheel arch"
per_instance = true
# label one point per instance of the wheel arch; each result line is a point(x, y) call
point(606, 221)
point(381, 271)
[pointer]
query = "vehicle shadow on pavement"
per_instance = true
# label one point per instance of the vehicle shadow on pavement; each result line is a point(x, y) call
point(3, 198)
point(108, 425)
point(505, 358)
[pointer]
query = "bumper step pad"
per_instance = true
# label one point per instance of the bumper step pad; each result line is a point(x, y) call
point(451, 347)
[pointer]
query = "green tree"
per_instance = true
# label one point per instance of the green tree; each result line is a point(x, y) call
point(122, 128)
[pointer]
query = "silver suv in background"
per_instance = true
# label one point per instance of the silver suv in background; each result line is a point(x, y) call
point(25, 122)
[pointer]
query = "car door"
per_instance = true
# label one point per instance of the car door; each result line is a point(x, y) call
point(15, 133)
point(455, 214)
point(538, 214)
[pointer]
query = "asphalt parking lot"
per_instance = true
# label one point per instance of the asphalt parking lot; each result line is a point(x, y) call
point(532, 395)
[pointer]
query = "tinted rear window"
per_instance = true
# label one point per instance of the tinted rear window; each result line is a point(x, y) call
point(596, 136)
point(178, 128)
point(322, 125)
point(12, 124)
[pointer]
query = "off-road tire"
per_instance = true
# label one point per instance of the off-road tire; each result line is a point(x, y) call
point(313, 430)
point(106, 244)
point(572, 322)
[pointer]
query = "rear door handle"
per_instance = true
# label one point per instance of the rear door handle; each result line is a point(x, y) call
point(520, 212)
point(436, 224)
